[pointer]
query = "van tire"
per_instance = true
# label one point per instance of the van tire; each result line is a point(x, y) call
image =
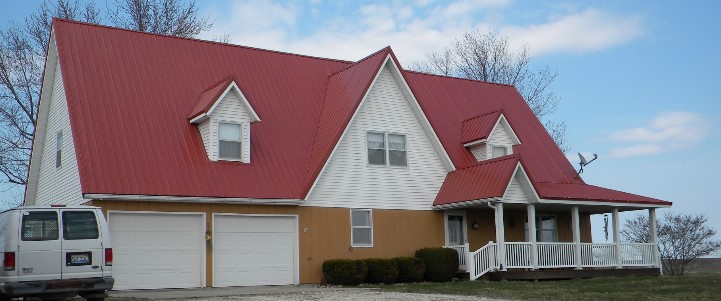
point(4, 298)
point(95, 299)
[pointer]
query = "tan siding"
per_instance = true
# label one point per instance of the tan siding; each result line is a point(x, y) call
point(58, 185)
point(324, 232)
point(348, 180)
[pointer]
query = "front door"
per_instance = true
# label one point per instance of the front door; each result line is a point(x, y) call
point(456, 228)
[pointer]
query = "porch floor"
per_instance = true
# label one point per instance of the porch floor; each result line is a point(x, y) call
point(570, 274)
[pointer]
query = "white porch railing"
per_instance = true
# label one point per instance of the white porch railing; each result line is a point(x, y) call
point(462, 254)
point(555, 255)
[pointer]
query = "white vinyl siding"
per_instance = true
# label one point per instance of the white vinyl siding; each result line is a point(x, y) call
point(515, 193)
point(349, 181)
point(229, 110)
point(519, 189)
point(499, 138)
point(58, 185)
point(479, 151)
point(361, 224)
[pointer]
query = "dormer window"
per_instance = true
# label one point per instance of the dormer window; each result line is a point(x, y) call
point(229, 142)
point(489, 136)
point(224, 118)
point(498, 151)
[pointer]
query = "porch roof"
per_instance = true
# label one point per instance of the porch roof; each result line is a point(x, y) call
point(484, 181)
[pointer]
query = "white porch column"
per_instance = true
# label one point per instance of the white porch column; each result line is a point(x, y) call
point(531, 212)
point(576, 235)
point(652, 235)
point(616, 237)
point(500, 236)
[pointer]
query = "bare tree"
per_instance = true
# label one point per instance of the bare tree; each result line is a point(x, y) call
point(168, 17)
point(682, 238)
point(23, 48)
point(488, 57)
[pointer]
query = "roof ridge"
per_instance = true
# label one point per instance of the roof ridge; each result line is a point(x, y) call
point(460, 78)
point(359, 61)
point(201, 40)
point(220, 82)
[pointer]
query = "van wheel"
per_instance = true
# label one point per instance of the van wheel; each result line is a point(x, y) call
point(95, 299)
point(4, 298)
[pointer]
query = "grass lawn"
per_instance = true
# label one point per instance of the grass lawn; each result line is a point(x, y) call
point(688, 287)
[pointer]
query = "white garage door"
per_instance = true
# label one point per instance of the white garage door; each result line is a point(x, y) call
point(254, 250)
point(157, 250)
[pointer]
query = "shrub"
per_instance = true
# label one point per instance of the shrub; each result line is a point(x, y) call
point(441, 263)
point(381, 270)
point(344, 271)
point(412, 269)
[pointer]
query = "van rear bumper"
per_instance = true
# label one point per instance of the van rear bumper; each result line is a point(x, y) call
point(45, 287)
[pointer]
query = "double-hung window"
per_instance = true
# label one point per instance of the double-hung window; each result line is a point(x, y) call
point(387, 149)
point(229, 147)
point(545, 228)
point(361, 227)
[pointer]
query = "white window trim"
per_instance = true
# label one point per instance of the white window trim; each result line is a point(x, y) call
point(387, 149)
point(239, 124)
point(370, 220)
point(539, 218)
point(489, 150)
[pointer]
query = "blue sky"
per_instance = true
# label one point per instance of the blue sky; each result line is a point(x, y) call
point(638, 81)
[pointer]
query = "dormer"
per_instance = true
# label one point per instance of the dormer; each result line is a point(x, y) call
point(489, 136)
point(223, 116)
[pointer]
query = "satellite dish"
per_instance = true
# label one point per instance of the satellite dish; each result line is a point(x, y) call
point(583, 159)
point(584, 162)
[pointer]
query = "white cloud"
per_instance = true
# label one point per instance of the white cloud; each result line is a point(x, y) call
point(412, 29)
point(589, 30)
point(666, 132)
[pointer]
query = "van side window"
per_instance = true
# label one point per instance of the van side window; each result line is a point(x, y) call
point(40, 225)
point(79, 225)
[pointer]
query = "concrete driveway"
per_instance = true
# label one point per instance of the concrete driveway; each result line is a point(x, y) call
point(268, 293)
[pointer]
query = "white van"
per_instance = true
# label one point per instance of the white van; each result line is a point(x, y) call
point(55, 252)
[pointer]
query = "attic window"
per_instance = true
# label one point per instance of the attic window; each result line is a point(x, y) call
point(498, 151)
point(229, 147)
point(59, 149)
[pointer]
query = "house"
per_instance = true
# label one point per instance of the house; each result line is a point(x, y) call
point(222, 165)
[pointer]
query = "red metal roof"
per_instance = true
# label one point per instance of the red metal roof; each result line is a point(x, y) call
point(480, 127)
point(129, 95)
point(555, 191)
point(208, 98)
point(488, 179)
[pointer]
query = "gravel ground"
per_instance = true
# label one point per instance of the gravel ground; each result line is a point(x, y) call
point(351, 295)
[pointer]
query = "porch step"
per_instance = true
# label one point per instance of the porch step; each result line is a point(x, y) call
point(570, 274)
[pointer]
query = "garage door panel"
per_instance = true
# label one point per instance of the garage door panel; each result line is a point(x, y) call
point(254, 250)
point(157, 250)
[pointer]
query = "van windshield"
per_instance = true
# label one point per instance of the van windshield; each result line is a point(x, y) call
point(79, 225)
point(40, 225)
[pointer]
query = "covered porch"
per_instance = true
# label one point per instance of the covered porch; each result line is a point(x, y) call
point(545, 239)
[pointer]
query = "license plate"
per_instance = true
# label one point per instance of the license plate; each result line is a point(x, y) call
point(78, 258)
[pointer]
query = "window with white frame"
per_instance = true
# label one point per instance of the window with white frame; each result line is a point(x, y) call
point(545, 228)
point(498, 151)
point(229, 147)
point(361, 227)
point(387, 149)
point(59, 149)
